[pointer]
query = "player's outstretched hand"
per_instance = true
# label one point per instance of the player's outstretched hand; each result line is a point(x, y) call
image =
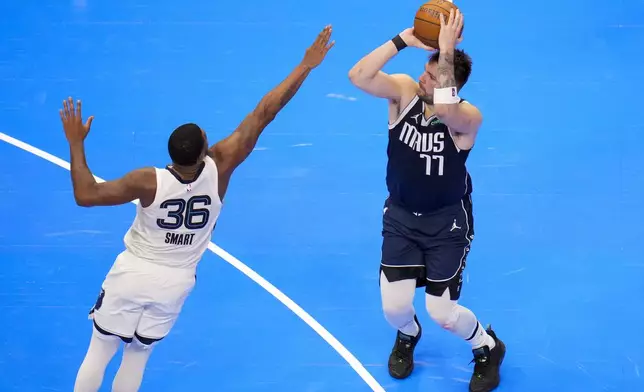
point(411, 40)
point(450, 34)
point(316, 52)
point(72, 119)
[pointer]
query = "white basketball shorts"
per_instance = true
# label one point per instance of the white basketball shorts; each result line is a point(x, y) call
point(141, 297)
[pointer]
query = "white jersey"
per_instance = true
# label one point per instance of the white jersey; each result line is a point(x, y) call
point(176, 228)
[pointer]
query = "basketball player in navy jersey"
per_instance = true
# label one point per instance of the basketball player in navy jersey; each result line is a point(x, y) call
point(178, 206)
point(427, 224)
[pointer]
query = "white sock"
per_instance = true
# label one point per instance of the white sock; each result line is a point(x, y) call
point(100, 352)
point(130, 374)
point(457, 319)
point(481, 338)
point(411, 328)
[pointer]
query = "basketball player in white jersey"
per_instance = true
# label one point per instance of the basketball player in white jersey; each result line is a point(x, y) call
point(177, 209)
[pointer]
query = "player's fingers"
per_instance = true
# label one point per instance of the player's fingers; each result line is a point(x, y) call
point(70, 104)
point(327, 35)
point(450, 21)
point(324, 35)
point(62, 115)
point(66, 109)
point(329, 47)
point(88, 124)
point(78, 109)
point(427, 47)
point(442, 18)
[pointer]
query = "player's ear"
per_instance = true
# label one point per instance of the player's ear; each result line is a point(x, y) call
point(205, 143)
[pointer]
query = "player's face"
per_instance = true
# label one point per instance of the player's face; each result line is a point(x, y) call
point(428, 82)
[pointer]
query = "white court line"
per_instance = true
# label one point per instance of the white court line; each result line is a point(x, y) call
point(232, 260)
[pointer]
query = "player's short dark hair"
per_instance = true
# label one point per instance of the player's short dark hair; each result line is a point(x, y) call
point(462, 66)
point(186, 144)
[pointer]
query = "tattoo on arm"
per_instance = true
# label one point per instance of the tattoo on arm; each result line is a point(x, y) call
point(285, 91)
point(446, 70)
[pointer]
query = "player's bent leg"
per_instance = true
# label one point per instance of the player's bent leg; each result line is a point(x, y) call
point(135, 358)
point(397, 303)
point(441, 303)
point(102, 348)
point(488, 350)
point(402, 266)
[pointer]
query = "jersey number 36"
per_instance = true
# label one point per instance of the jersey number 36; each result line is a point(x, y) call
point(185, 213)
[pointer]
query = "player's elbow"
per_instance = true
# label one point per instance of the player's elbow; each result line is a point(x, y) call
point(83, 198)
point(357, 77)
point(82, 201)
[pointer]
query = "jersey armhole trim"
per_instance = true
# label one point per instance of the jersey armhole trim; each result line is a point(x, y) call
point(211, 162)
point(404, 112)
point(159, 174)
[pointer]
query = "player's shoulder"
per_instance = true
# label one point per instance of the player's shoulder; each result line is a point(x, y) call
point(143, 175)
point(409, 84)
point(211, 164)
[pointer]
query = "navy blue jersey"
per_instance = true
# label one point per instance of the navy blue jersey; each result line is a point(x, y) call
point(425, 170)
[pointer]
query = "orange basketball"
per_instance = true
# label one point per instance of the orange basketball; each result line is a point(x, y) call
point(427, 24)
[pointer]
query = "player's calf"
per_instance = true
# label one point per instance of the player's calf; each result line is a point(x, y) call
point(401, 359)
point(135, 358)
point(488, 350)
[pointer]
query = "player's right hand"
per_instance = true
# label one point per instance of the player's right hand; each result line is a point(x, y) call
point(411, 40)
point(316, 52)
point(72, 119)
point(451, 30)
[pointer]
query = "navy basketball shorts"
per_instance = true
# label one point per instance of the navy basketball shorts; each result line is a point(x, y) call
point(430, 247)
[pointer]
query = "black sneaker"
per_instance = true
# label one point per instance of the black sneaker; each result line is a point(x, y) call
point(401, 360)
point(488, 362)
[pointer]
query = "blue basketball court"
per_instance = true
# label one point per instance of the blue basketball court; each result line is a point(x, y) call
point(288, 298)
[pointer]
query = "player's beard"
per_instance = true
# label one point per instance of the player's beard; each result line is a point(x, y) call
point(422, 94)
point(428, 99)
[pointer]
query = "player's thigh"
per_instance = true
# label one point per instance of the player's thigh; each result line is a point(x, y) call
point(401, 257)
point(115, 311)
point(445, 264)
point(160, 315)
point(446, 253)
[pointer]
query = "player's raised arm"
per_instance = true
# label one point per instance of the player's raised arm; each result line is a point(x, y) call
point(463, 118)
point(366, 74)
point(233, 150)
point(138, 184)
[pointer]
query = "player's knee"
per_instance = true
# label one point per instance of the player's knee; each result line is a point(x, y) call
point(397, 312)
point(442, 311)
point(395, 307)
point(397, 297)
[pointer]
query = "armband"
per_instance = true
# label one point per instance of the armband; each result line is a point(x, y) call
point(399, 42)
point(446, 95)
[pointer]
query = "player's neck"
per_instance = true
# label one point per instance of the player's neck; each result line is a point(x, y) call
point(429, 110)
point(186, 172)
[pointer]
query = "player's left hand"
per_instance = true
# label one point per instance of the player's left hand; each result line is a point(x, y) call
point(72, 119)
point(316, 52)
point(451, 30)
